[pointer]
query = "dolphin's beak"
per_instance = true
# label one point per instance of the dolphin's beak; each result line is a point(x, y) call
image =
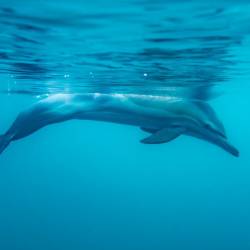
point(215, 137)
point(218, 133)
point(228, 147)
point(219, 139)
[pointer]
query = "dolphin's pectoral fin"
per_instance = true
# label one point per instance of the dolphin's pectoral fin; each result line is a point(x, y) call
point(149, 130)
point(163, 135)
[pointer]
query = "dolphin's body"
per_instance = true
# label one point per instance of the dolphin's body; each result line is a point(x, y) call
point(164, 117)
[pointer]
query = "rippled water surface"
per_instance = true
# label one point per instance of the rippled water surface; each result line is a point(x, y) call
point(119, 46)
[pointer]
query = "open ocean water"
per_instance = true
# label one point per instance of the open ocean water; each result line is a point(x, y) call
point(92, 185)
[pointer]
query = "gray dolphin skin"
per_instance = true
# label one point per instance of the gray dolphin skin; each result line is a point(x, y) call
point(163, 117)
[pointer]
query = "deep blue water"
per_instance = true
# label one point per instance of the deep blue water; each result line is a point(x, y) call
point(92, 185)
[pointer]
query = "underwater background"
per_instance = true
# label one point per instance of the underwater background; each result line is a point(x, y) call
point(93, 185)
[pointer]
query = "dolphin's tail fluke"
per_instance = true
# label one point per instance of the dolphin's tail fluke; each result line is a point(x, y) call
point(4, 142)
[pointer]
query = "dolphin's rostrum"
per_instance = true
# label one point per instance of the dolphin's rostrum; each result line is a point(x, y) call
point(163, 117)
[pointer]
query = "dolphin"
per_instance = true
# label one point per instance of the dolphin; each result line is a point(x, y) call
point(163, 117)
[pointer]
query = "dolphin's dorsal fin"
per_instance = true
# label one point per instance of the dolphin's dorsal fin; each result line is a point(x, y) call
point(163, 135)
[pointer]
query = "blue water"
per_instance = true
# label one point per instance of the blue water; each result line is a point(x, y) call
point(92, 185)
